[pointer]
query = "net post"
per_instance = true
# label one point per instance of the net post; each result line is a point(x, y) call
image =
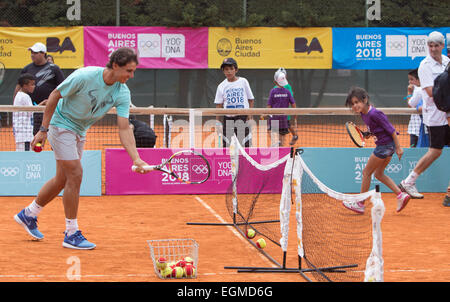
point(192, 128)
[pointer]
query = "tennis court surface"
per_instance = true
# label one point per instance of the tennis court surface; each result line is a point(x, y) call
point(415, 241)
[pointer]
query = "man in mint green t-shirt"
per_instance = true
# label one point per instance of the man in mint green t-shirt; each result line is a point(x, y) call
point(77, 103)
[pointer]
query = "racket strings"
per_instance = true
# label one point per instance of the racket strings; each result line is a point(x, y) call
point(190, 167)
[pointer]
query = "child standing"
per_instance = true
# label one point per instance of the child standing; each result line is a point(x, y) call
point(23, 121)
point(292, 124)
point(387, 144)
point(234, 92)
point(281, 97)
point(416, 128)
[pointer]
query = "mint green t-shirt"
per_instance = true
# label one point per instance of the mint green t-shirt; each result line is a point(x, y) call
point(86, 99)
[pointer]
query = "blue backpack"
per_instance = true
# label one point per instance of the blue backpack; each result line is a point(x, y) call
point(441, 91)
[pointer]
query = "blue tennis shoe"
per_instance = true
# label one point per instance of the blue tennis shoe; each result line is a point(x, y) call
point(77, 241)
point(29, 224)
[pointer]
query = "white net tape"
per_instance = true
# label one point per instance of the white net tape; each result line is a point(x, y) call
point(252, 161)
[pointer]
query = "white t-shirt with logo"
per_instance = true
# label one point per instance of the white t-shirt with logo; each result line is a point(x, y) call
point(429, 69)
point(234, 94)
point(23, 121)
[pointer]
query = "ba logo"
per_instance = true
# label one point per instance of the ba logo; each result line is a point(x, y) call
point(301, 45)
point(224, 47)
point(53, 45)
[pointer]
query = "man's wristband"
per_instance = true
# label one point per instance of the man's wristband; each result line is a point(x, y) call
point(43, 129)
point(407, 97)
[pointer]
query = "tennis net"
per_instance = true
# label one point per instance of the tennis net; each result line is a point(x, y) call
point(334, 243)
point(198, 127)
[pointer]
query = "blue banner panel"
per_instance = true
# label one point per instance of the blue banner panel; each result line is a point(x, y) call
point(382, 47)
point(341, 169)
point(24, 173)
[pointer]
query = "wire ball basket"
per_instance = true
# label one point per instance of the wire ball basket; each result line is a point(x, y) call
point(174, 258)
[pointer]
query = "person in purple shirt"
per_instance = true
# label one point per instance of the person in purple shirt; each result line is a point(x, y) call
point(387, 144)
point(281, 97)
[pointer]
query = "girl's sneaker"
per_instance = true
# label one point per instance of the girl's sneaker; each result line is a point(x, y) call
point(355, 206)
point(402, 201)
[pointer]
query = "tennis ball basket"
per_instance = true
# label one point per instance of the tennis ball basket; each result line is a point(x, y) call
point(174, 258)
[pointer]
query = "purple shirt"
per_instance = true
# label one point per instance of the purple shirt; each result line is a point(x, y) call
point(280, 98)
point(379, 125)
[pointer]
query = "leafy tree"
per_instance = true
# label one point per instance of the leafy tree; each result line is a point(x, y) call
point(289, 13)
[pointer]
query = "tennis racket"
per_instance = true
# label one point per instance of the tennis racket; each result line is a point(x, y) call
point(186, 166)
point(358, 137)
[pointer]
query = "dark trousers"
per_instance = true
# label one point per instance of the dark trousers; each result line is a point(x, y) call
point(236, 125)
point(37, 121)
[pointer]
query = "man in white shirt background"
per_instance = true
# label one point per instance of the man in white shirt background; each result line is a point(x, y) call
point(436, 121)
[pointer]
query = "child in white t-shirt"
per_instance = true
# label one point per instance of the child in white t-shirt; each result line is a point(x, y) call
point(234, 92)
point(23, 121)
point(416, 128)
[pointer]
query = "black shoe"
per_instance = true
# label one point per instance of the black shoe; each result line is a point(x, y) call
point(446, 202)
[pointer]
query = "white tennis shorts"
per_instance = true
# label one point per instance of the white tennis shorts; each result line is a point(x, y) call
point(66, 144)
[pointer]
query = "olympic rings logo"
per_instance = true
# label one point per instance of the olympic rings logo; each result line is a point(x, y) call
point(9, 171)
point(149, 44)
point(396, 45)
point(200, 169)
point(394, 168)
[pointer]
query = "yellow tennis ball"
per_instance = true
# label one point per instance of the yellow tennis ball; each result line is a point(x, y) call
point(189, 260)
point(166, 272)
point(38, 147)
point(171, 264)
point(177, 272)
point(251, 233)
point(371, 279)
point(261, 243)
point(161, 263)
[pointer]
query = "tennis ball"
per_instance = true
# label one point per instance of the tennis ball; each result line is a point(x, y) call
point(171, 264)
point(166, 272)
point(181, 263)
point(189, 260)
point(189, 270)
point(251, 233)
point(161, 263)
point(177, 272)
point(261, 243)
point(38, 147)
point(371, 279)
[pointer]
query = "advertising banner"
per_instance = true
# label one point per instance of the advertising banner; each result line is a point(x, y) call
point(65, 44)
point(382, 47)
point(24, 173)
point(271, 47)
point(158, 47)
point(120, 180)
point(341, 168)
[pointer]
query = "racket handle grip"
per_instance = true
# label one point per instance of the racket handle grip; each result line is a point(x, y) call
point(147, 168)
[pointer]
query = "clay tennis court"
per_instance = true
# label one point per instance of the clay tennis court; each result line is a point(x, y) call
point(415, 241)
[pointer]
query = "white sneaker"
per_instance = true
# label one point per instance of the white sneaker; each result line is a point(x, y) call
point(410, 189)
point(355, 206)
point(402, 201)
